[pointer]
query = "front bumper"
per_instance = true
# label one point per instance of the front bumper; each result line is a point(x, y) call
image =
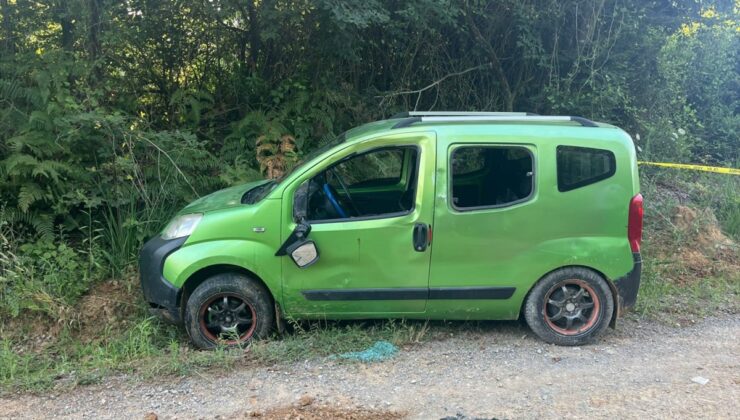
point(162, 296)
point(628, 285)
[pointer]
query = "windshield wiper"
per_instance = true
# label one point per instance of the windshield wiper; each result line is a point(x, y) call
point(258, 193)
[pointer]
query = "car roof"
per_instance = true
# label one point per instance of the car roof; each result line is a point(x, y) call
point(478, 124)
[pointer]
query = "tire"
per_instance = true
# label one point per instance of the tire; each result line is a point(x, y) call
point(576, 293)
point(220, 309)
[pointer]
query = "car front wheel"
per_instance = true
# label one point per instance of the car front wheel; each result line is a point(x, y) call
point(228, 309)
point(570, 307)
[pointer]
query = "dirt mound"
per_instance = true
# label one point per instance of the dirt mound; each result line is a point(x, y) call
point(702, 225)
point(322, 412)
point(305, 408)
point(30, 334)
point(704, 250)
point(107, 305)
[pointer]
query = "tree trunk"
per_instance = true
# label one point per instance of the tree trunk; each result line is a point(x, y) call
point(94, 48)
point(8, 41)
point(94, 33)
point(254, 35)
point(65, 20)
point(508, 95)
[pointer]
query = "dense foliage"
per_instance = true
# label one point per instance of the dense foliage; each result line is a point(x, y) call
point(115, 113)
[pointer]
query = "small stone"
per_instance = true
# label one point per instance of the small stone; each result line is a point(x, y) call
point(305, 400)
point(150, 416)
point(700, 380)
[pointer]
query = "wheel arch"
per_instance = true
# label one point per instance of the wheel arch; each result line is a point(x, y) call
point(609, 282)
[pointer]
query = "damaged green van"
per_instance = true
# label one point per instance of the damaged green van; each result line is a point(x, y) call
point(436, 215)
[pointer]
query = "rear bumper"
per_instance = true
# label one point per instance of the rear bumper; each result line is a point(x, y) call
point(628, 285)
point(161, 295)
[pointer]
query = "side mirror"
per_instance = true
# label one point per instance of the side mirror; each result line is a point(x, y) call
point(296, 238)
point(303, 253)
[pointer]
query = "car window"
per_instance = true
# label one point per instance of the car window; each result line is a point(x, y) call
point(467, 160)
point(382, 167)
point(581, 166)
point(487, 176)
point(378, 183)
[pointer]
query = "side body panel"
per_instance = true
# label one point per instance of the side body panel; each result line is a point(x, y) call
point(515, 246)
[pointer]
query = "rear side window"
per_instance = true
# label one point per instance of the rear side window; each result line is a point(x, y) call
point(486, 176)
point(581, 166)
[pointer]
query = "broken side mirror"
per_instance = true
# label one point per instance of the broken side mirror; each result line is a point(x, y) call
point(303, 253)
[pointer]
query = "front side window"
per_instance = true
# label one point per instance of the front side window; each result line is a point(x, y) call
point(581, 166)
point(378, 183)
point(490, 176)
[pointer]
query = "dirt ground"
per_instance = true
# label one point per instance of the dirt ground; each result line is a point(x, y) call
point(640, 370)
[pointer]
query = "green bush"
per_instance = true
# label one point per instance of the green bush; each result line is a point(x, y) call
point(43, 276)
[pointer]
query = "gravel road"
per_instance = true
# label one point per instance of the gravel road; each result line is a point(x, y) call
point(640, 370)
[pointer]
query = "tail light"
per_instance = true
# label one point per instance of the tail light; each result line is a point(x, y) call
point(634, 226)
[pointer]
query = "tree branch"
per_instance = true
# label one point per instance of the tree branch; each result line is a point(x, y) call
point(431, 85)
point(495, 63)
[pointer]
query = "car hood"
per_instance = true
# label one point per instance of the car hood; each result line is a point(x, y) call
point(221, 199)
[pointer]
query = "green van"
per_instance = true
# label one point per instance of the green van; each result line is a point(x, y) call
point(436, 215)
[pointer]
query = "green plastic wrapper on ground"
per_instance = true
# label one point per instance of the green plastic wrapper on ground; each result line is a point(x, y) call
point(378, 352)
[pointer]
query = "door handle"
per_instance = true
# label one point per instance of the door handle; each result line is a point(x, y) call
point(421, 236)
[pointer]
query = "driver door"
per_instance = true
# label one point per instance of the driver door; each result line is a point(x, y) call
point(364, 206)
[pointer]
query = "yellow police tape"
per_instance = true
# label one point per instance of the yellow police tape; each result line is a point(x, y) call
point(717, 169)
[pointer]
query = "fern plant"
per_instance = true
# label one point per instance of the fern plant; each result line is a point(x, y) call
point(275, 154)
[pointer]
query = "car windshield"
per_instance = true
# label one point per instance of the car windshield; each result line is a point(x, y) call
point(309, 157)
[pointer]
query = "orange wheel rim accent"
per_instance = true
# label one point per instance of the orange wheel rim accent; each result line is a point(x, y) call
point(228, 318)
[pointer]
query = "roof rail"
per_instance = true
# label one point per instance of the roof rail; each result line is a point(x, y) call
point(458, 114)
point(406, 122)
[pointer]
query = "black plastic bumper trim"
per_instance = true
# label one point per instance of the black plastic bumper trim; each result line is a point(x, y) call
point(366, 294)
point(471, 292)
point(437, 293)
point(158, 292)
point(629, 284)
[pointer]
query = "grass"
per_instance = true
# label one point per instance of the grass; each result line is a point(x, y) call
point(676, 288)
point(151, 349)
point(669, 302)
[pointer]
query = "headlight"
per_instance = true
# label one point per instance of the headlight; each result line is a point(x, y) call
point(181, 226)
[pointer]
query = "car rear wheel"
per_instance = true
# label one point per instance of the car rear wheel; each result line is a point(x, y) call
point(228, 309)
point(569, 307)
